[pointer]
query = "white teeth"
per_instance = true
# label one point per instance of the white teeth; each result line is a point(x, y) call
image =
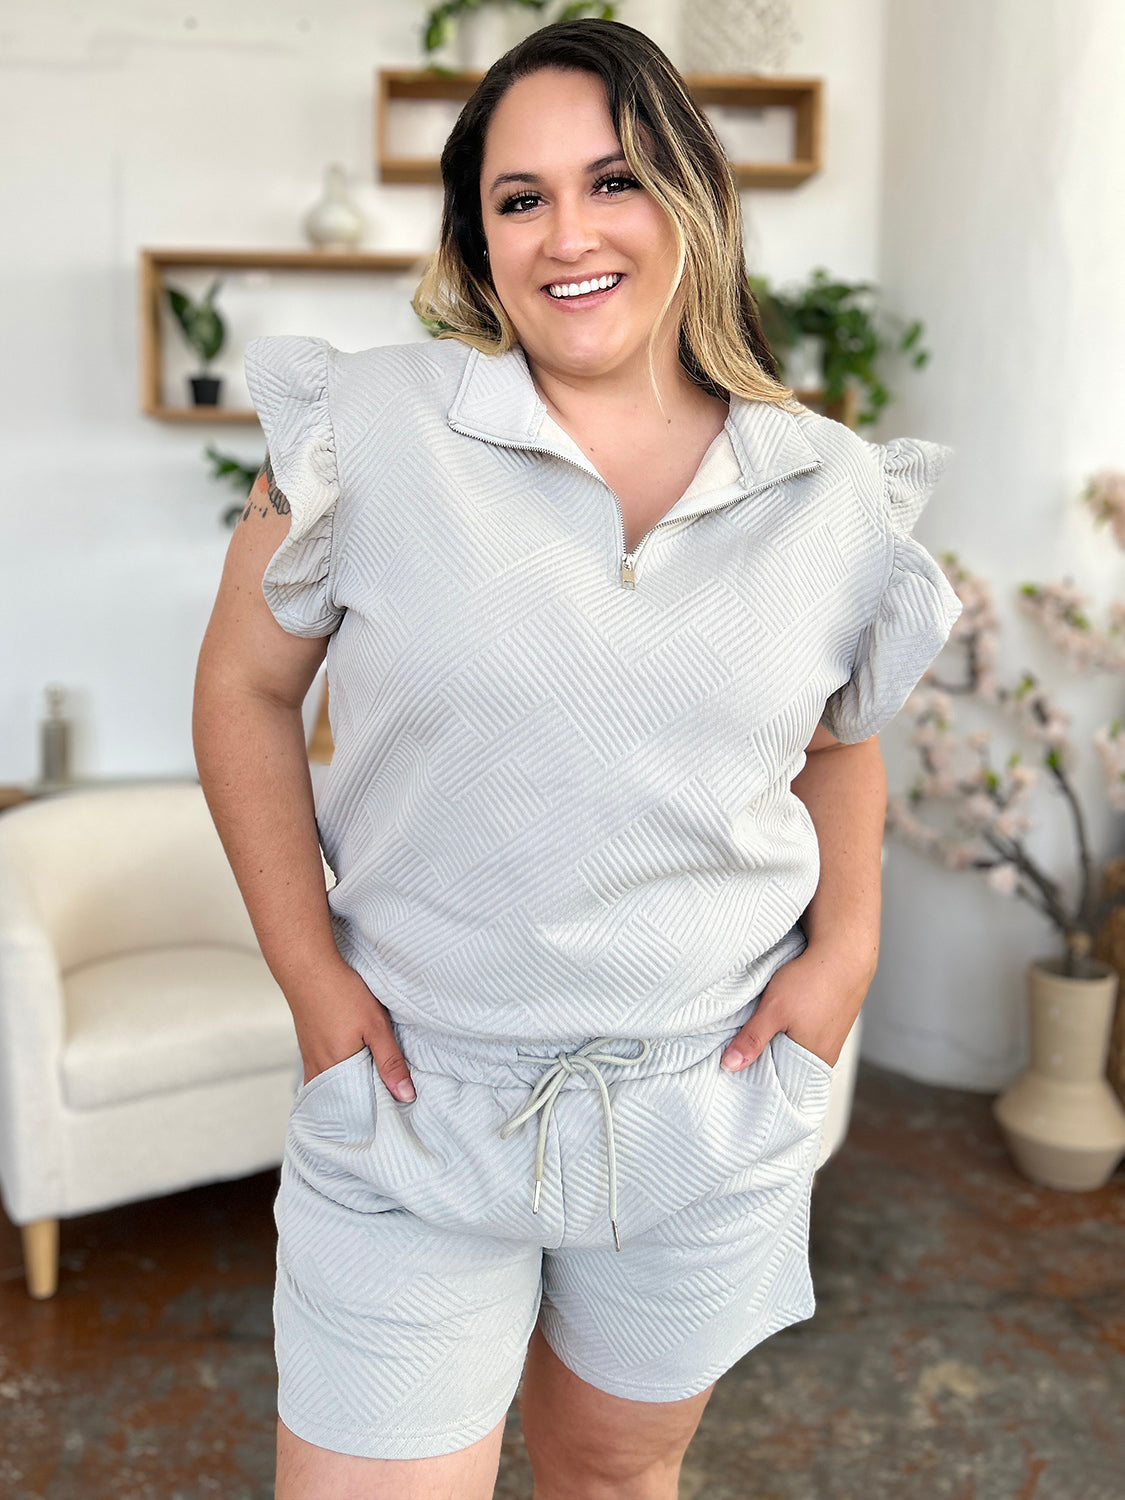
point(579, 289)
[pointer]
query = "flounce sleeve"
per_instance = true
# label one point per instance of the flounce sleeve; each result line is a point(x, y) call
point(288, 381)
point(917, 608)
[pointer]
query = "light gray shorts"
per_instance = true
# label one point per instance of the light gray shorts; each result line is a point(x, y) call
point(412, 1265)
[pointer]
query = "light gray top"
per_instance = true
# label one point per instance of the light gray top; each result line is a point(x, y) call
point(560, 806)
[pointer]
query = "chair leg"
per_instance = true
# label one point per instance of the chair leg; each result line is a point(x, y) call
point(41, 1257)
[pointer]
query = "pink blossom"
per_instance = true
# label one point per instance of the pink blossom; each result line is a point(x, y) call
point(940, 785)
point(1010, 823)
point(1004, 878)
point(901, 818)
point(978, 811)
point(1105, 494)
point(1110, 747)
point(959, 856)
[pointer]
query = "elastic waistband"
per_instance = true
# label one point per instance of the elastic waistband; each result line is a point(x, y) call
point(519, 1064)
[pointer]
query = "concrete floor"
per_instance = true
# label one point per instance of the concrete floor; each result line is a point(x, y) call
point(969, 1341)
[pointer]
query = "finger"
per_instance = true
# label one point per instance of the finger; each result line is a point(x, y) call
point(750, 1043)
point(392, 1068)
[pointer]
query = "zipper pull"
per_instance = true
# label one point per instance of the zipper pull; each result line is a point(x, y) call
point(627, 579)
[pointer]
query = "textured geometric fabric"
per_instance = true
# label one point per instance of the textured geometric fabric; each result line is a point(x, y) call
point(411, 1268)
point(559, 806)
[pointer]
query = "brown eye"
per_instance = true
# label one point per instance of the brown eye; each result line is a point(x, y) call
point(622, 183)
point(509, 204)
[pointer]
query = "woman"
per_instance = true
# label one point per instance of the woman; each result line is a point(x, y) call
point(611, 622)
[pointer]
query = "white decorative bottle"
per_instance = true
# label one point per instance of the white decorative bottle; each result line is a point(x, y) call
point(334, 223)
point(54, 742)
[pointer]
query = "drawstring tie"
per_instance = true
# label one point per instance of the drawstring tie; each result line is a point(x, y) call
point(585, 1059)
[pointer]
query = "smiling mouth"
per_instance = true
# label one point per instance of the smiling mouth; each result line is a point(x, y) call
point(561, 290)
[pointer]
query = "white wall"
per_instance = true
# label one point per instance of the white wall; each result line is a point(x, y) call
point(1002, 226)
point(130, 123)
point(967, 150)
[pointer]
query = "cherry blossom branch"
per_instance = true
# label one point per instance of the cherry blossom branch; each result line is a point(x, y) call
point(988, 804)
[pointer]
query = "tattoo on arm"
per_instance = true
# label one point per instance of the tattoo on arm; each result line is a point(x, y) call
point(265, 494)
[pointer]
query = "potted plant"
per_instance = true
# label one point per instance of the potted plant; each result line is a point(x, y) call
point(205, 331)
point(1063, 1123)
point(484, 32)
point(829, 336)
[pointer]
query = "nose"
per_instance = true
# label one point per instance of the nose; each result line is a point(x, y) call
point(571, 232)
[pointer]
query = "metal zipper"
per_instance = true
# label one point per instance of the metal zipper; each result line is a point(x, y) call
point(629, 559)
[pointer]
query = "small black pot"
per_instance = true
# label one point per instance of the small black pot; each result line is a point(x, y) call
point(205, 389)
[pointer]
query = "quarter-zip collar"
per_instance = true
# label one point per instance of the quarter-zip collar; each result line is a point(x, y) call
point(496, 401)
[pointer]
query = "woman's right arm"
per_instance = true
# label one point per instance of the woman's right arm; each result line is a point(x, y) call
point(253, 765)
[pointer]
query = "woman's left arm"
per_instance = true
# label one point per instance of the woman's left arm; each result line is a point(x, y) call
point(816, 996)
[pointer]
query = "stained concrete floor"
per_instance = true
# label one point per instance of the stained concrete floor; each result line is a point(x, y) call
point(969, 1341)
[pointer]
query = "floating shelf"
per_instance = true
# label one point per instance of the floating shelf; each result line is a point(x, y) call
point(845, 410)
point(801, 97)
point(153, 265)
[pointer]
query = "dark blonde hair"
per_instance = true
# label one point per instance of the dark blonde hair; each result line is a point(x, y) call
point(672, 150)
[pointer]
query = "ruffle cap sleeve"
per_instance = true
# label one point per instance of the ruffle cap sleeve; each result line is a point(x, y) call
point(917, 608)
point(288, 382)
point(911, 470)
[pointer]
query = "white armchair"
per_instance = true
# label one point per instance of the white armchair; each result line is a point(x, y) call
point(144, 1045)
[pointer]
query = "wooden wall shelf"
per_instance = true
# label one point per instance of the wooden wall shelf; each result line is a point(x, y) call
point(845, 410)
point(153, 265)
point(802, 96)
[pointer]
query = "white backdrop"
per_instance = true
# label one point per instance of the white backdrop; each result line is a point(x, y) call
point(1001, 227)
point(967, 158)
point(126, 126)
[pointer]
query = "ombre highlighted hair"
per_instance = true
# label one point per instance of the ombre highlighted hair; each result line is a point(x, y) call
point(672, 151)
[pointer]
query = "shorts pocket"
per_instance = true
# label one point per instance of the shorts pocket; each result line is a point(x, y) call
point(305, 1089)
point(332, 1130)
point(804, 1078)
point(802, 1051)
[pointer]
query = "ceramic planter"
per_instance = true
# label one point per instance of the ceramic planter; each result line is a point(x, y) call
point(1063, 1123)
point(486, 33)
point(205, 389)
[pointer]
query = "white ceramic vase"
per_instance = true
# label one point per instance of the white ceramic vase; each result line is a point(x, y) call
point(1061, 1119)
point(735, 36)
point(334, 222)
point(484, 34)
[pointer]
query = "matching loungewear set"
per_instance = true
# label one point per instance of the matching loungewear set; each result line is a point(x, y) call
point(568, 860)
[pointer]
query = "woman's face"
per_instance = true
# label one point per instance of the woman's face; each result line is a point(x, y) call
point(560, 210)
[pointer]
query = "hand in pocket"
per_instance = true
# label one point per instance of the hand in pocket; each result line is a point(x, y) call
point(339, 1015)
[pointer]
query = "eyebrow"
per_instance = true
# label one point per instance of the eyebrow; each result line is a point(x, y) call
point(591, 167)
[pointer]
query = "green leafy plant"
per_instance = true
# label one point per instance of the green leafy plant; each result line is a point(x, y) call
point(433, 326)
point(855, 337)
point(202, 326)
point(225, 467)
point(440, 23)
